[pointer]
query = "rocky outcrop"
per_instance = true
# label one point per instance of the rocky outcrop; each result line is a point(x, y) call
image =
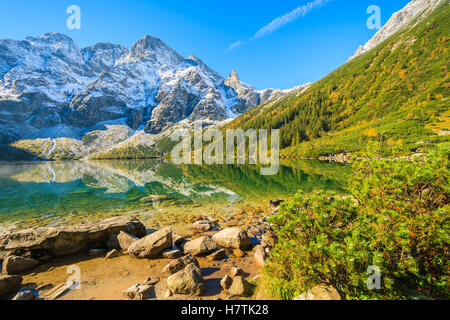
point(14, 265)
point(63, 241)
point(187, 281)
point(234, 238)
point(399, 20)
point(320, 292)
point(49, 87)
point(152, 245)
point(9, 285)
point(249, 97)
point(199, 246)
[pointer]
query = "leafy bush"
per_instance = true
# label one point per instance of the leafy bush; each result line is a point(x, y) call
point(396, 219)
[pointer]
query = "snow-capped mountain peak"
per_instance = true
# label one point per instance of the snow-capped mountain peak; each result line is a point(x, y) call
point(49, 86)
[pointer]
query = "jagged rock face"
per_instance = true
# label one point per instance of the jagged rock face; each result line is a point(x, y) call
point(400, 19)
point(49, 85)
point(249, 97)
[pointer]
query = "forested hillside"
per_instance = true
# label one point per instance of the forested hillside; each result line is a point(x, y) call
point(397, 93)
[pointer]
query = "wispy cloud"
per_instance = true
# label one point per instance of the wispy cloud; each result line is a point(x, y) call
point(288, 18)
point(234, 45)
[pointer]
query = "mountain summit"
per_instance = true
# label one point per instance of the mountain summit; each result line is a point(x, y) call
point(49, 88)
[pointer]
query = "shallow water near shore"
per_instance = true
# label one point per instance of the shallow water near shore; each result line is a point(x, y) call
point(157, 192)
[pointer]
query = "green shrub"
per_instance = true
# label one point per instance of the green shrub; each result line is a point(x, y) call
point(396, 219)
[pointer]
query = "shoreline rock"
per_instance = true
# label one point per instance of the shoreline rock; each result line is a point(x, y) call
point(233, 238)
point(9, 285)
point(14, 265)
point(68, 240)
point(152, 245)
point(187, 281)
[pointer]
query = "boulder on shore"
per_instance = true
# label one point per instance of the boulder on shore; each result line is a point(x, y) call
point(9, 285)
point(187, 281)
point(178, 265)
point(14, 265)
point(226, 282)
point(240, 287)
point(234, 238)
point(125, 240)
point(200, 246)
point(152, 245)
point(25, 296)
point(259, 255)
point(320, 292)
point(67, 240)
point(139, 292)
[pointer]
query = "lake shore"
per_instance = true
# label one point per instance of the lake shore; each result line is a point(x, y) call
point(107, 279)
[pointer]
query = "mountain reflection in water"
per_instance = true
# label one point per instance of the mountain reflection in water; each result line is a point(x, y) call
point(52, 193)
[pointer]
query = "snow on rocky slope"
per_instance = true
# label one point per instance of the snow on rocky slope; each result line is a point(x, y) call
point(400, 19)
point(52, 89)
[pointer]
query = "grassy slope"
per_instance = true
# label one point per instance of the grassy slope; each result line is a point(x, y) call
point(399, 91)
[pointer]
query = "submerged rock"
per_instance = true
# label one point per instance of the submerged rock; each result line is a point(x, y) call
point(234, 238)
point(152, 245)
point(67, 240)
point(226, 282)
point(14, 265)
point(9, 285)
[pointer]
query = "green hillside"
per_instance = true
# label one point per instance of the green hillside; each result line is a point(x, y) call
point(397, 93)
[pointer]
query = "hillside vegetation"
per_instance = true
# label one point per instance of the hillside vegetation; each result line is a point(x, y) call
point(397, 93)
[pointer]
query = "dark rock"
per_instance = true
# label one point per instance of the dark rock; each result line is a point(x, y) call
point(234, 238)
point(139, 292)
point(152, 245)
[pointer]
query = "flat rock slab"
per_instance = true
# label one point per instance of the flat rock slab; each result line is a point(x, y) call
point(64, 241)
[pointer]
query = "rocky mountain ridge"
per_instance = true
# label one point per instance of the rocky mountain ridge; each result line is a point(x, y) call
point(52, 89)
point(399, 20)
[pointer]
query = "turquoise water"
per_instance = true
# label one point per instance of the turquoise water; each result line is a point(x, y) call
point(57, 193)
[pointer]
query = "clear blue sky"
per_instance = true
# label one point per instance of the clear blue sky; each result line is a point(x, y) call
point(303, 50)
